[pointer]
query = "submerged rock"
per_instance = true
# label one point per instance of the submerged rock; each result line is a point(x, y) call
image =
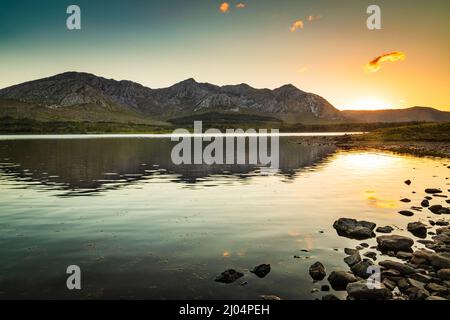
point(229, 276)
point(433, 190)
point(395, 243)
point(353, 229)
point(418, 229)
point(406, 213)
point(262, 270)
point(438, 209)
point(425, 203)
point(317, 271)
point(340, 279)
point(386, 229)
point(361, 291)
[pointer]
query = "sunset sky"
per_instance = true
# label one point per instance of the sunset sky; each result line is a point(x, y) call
point(320, 46)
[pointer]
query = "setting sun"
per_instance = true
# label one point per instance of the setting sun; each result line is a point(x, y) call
point(369, 104)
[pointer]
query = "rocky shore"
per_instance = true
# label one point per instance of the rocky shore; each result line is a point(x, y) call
point(397, 267)
point(348, 142)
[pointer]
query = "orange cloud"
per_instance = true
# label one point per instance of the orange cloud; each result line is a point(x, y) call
point(240, 5)
point(224, 7)
point(297, 25)
point(375, 64)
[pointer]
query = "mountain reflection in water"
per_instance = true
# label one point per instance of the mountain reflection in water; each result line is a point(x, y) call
point(92, 166)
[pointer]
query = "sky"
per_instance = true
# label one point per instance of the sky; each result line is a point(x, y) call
point(320, 46)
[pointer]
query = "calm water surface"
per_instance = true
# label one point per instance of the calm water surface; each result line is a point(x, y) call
point(141, 227)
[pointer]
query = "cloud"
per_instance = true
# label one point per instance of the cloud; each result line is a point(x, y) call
point(297, 25)
point(224, 7)
point(313, 18)
point(375, 64)
point(240, 5)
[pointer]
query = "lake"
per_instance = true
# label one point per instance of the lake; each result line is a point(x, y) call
point(141, 227)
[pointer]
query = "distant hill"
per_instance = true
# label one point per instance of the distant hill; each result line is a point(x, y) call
point(76, 96)
point(420, 114)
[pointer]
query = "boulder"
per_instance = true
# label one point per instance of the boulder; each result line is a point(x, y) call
point(317, 271)
point(361, 269)
point(401, 267)
point(418, 229)
point(444, 274)
point(440, 260)
point(386, 229)
point(361, 291)
point(353, 229)
point(262, 270)
point(353, 259)
point(340, 279)
point(395, 243)
point(229, 276)
point(425, 203)
point(406, 213)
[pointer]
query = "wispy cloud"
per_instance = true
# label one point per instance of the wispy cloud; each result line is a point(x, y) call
point(224, 7)
point(299, 24)
point(241, 5)
point(375, 64)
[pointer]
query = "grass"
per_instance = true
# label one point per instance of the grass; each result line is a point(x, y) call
point(28, 126)
point(430, 132)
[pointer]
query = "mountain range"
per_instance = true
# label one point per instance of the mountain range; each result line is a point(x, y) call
point(74, 96)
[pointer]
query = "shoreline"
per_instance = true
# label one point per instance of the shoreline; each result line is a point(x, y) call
point(414, 148)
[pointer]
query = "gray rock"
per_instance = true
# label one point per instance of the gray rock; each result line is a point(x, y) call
point(340, 279)
point(229, 276)
point(360, 291)
point(361, 269)
point(353, 229)
point(350, 251)
point(372, 255)
point(353, 259)
point(418, 229)
point(444, 274)
point(395, 243)
point(401, 267)
point(440, 261)
point(434, 287)
point(262, 270)
point(404, 255)
point(317, 271)
point(386, 229)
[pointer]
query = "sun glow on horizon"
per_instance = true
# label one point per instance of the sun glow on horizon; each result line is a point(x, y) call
point(368, 104)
